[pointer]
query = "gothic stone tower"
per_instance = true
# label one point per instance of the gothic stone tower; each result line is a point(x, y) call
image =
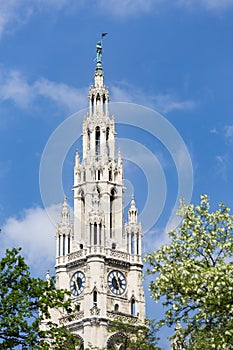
point(98, 257)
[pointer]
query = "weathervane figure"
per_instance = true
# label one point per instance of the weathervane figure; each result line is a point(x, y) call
point(99, 52)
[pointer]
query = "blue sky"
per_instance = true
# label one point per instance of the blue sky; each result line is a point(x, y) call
point(176, 59)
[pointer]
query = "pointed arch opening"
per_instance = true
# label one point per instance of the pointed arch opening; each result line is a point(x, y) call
point(88, 139)
point(104, 104)
point(95, 233)
point(95, 296)
point(132, 243)
point(64, 246)
point(133, 306)
point(68, 248)
point(107, 141)
point(98, 103)
point(97, 141)
point(82, 213)
point(92, 104)
point(112, 211)
point(117, 341)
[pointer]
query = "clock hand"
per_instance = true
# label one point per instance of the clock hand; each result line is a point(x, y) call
point(76, 284)
point(117, 281)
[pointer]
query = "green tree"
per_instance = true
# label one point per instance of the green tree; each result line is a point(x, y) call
point(133, 336)
point(194, 277)
point(128, 335)
point(24, 303)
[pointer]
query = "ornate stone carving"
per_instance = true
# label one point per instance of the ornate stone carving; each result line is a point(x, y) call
point(76, 255)
point(95, 311)
point(121, 316)
point(119, 255)
point(72, 317)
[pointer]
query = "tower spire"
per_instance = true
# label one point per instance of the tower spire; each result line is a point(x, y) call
point(98, 257)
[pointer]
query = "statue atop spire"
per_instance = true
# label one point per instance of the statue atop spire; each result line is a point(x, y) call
point(99, 56)
point(99, 53)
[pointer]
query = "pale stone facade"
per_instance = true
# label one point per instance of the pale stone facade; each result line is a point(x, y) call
point(98, 257)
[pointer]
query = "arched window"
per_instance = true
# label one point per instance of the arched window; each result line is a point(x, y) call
point(133, 311)
point(95, 298)
point(116, 307)
point(97, 141)
point(112, 211)
point(104, 103)
point(92, 104)
point(107, 143)
point(82, 205)
point(137, 244)
point(132, 244)
point(59, 245)
point(64, 245)
point(95, 233)
point(117, 341)
point(88, 140)
point(100, 232)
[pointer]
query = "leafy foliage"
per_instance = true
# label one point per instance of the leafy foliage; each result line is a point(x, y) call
point(21, 298)
point(135, 336)
point(127, 335)
point(194, 274)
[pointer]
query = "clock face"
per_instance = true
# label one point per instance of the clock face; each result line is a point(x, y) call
point(116, 282)
point(77, 283)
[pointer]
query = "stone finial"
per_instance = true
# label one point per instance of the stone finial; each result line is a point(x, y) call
point(119, 158)
point(48, 278)
point(132, 204)
point(77, 159)
point(133, 212)
point(65, 213)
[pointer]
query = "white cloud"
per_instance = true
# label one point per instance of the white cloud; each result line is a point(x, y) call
point(34, 232)
point(14, 86)
point(14, 13)
point(8, 13)
point(222, 166)
point(120, 94)
point(62, 94)
point(229, 132)
point(164, 103)
point(154, 239)
point(167, 103)
point(5, 167)
point(125, 8)
point(213, 131)
point(207, 4)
